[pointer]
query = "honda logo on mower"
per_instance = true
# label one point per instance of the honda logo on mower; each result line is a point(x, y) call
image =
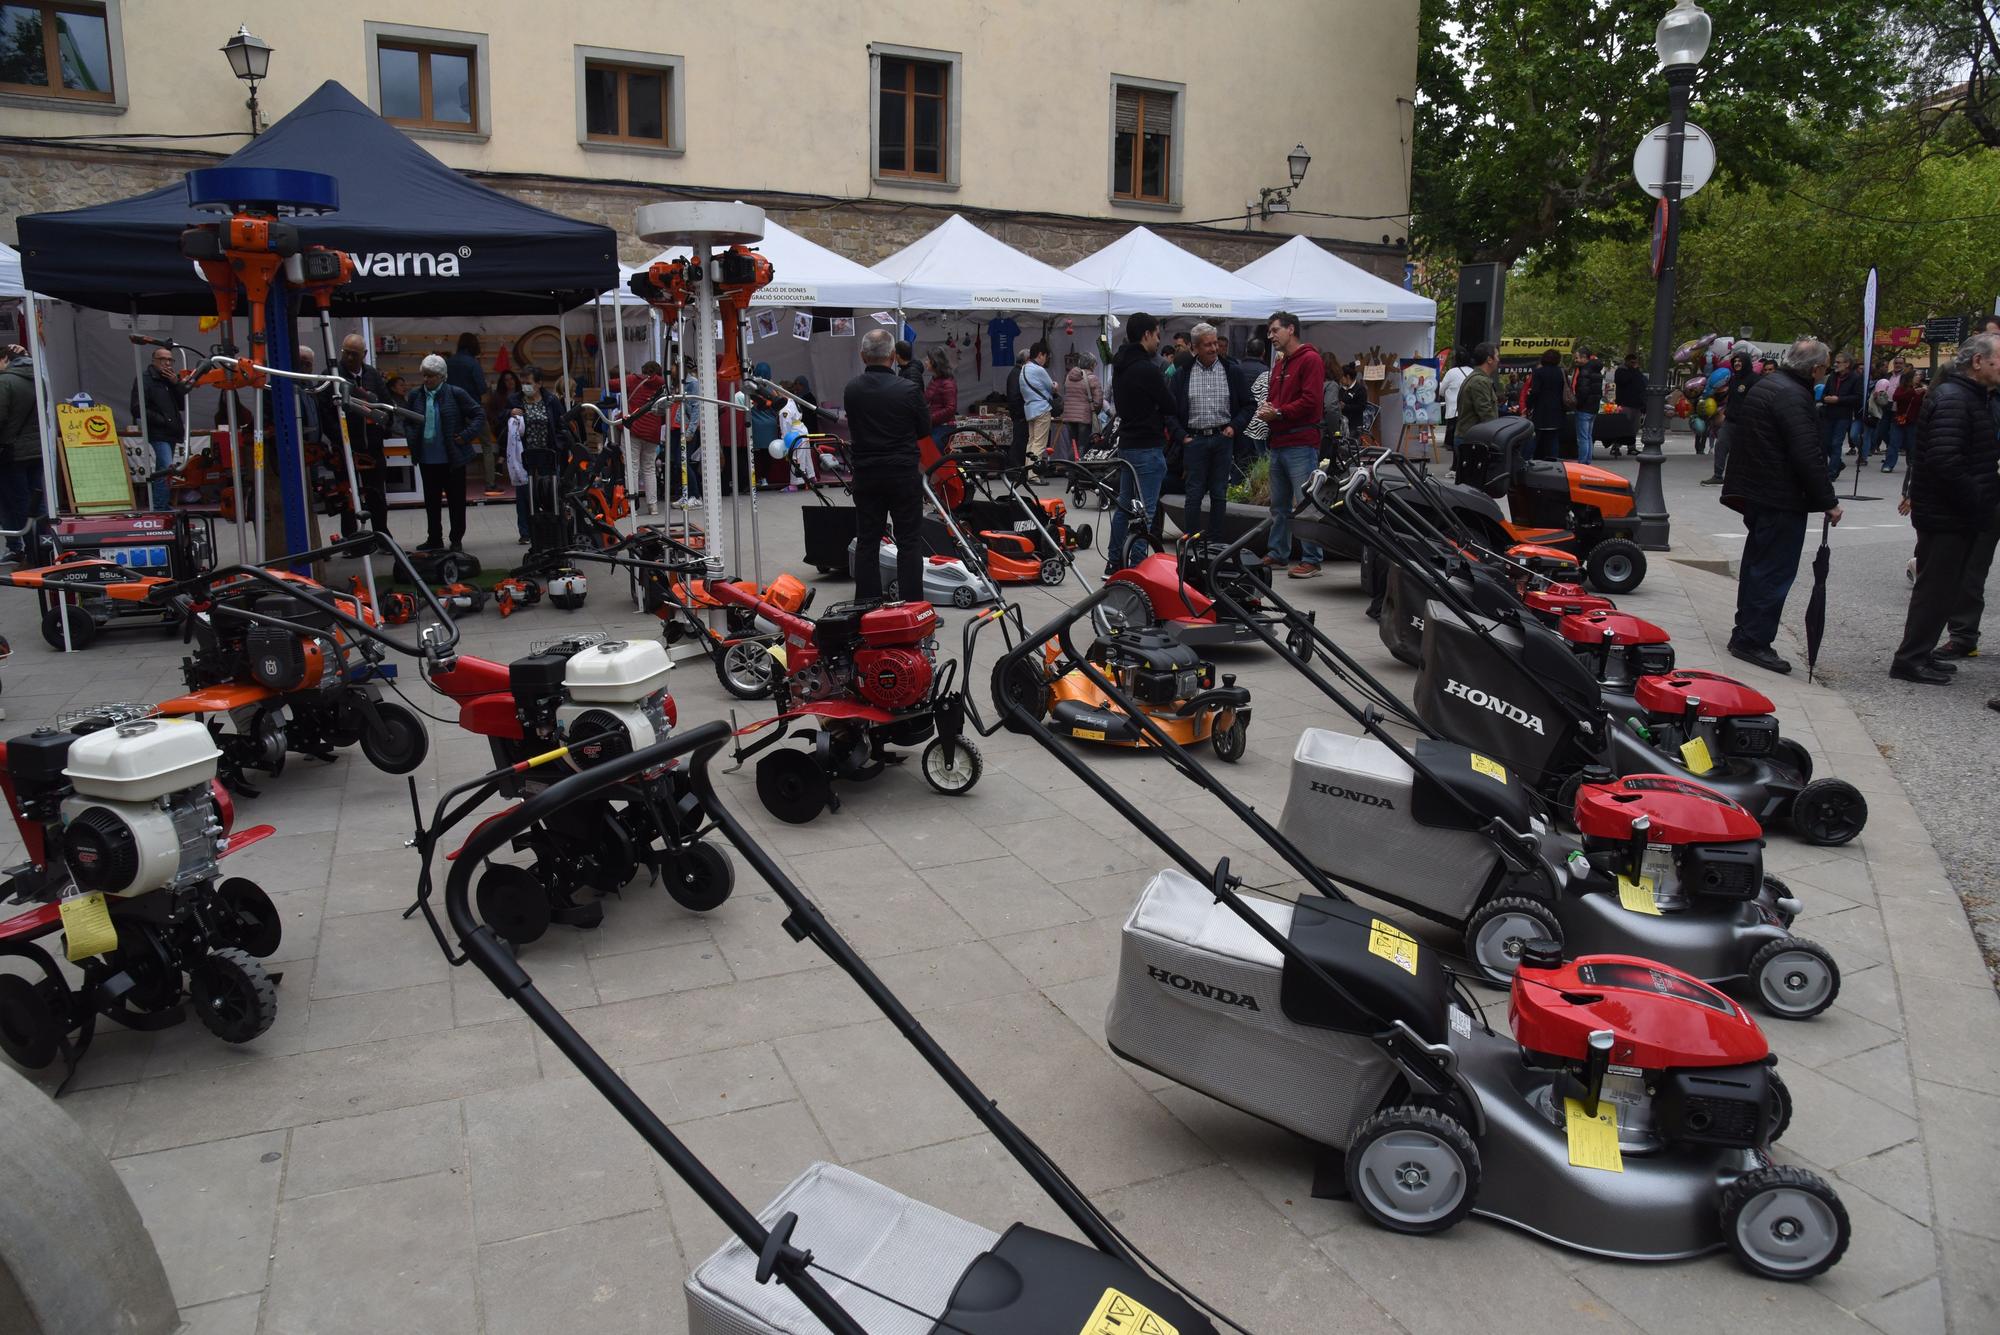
point(1182, 983)
point(1365, 799)
point(1472, 695)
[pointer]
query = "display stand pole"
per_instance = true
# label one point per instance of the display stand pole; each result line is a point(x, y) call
point(236, 473)
point(711, 415)
point(362, 522)
point(562, 351)
point(625, 405)
point(751, 452)
point(139, 384)
point(45, 412)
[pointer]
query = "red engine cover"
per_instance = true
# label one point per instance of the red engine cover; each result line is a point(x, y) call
point(1681, 811)
point(898, 624)
point(1534, 551)
point(893, 678)
point(1720, 696)
point(1559, 600)
point(1659, 1017)
point(1159, 577)
point(1587, 628)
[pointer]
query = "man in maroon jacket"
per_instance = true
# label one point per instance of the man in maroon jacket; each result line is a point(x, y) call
point(648, 430)
point(1294, 410)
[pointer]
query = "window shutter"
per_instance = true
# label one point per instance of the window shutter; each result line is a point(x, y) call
point(1129, 100)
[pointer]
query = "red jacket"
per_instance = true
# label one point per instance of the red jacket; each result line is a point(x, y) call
point(1297, 385)
point(643, 389)
point(941, 397)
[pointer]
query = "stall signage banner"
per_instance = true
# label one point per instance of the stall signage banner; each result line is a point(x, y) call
point(1007, 301)
point(1346, 311)
point(1535, 347)
point(785, 294)
point(1203, 306)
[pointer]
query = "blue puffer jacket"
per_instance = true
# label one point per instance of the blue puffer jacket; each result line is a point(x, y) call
point(459, 422)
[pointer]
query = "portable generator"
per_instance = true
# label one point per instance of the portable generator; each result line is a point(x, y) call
point(171, 544)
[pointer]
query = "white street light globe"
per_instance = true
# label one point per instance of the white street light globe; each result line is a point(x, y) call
point(1682, 37)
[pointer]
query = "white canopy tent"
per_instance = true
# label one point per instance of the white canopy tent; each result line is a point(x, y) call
point(1315, 284)
point(957, 267)
point(805, 274)
point(1143, 271)
point(10, 272)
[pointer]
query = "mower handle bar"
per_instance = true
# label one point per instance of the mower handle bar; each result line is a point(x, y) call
point(373, 409)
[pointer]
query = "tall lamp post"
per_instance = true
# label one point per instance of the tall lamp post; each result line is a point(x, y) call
point(250, 59)
point(1682, 40)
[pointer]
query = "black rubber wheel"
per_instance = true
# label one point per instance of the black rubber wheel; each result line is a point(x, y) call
point(1083, 535)
point(233, 996)
point(512, 902)
point(746, 669)
point(1796, 758)
point(1778, 890)
point(1026, 685)
point(1299, 639)
point(1137, 548)
point(1231, 742)
point(1125, 607)
point(1052, 572)
point(31, 1030)
point(1784, 1223)
point(1615, 566)
point(1829, 812)
point(1781, 1116)
point(1795, 978)
point(964, 596)
point(254, 926)
point(792, 786)
point(700, 878)
point(1413, 1170)
point(957, 778)
point(399, 744)
point(82, 626)
point(1496, 934)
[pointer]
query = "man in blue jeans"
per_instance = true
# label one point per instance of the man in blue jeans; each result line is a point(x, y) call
point(1213, 404)
point(1777, 475)
point(1145, 416)
point(1837, 408)
point(158, 407)
point(1295, 407)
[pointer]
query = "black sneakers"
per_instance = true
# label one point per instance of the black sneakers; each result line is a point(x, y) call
point(1766, 658)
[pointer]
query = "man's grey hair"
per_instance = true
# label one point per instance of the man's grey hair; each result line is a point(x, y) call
point(1200, 332)
point(1804, 356)
point(1972, 349)
point(877, 346)
point(1021, 357)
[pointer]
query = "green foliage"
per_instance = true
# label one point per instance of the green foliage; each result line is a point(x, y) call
point(1528, 112)
point(1255, 488)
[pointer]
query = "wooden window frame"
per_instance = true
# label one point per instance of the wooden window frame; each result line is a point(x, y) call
point(909, 172)
point(53, 90)
point(624, 69)
point(424, 49)
point(1146, 95)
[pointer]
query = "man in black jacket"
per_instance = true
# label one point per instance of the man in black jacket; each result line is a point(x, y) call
point(157, 399)
point(1954, 500)
point(1145, 419)
point(370, 463)
point(1777, 475)
point(1587, 387)
point(1837, 408)
point(885, 417)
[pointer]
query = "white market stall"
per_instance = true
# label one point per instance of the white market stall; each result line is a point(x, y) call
point(1143, 271)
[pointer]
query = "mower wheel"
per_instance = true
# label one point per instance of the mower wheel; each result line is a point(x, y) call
point(701, 878)
point(963, 596)
point(1829, 812)
point(792, 786)
point(1083, 535)
point(1781, 1094)
point(83, 626)
point(512, 902)
point(451, 569)
point(1784, 1223)
point(1299, 639)
point(1137, 548)
point(1498, 931)
point(400, 744)
point(1027, 685)
point(31, 1021)
point(1615, 566)
point(956, 778)
point(1778, 890)
point(1793, 756)
point(1231, 742)
point(1413, 1169)
point(1052, 572)
point(1125, 607)
point(1795, 978)
point(254, 926)
point(745, 669)
point(235, 999)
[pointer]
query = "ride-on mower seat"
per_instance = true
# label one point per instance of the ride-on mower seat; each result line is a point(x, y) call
point(1451, 778)
point(1489, 454)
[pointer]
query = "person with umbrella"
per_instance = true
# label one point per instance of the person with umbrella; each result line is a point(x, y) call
point(1776, 476)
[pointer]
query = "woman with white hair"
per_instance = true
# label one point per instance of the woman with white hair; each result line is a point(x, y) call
point(441, 448)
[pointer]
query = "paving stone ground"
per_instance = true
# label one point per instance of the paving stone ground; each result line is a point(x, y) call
point(401, 1151)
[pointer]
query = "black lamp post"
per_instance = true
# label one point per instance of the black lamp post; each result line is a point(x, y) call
point(1682, 40)
point(250, 59)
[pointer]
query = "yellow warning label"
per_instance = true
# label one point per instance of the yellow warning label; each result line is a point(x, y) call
point(1695, 755)
point(1393, 944)
point(1488, 766)
point(87, 928)
point(1121, 1314)
point(1593, 1141)
point(1637, 896)
point(1087, 734)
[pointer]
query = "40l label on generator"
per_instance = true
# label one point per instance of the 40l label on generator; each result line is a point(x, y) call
point(1120, 1313)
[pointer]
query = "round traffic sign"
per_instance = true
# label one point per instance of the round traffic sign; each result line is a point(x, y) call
point(1649, 161)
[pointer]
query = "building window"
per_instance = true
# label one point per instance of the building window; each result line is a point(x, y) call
point(626, 104)
point(57, 51)
point(427, 86)
point(1142, 144)
point(913, 119)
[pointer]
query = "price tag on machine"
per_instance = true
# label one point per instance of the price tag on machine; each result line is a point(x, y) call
point(1637, 897)
point(1488, 766)
point(1393, 944)
point(1120, 1313)
point(1694, 754)
point(87, 926)
point(1593, 1141)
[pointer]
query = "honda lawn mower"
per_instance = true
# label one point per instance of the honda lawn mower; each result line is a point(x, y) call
point(1629, 1113)
point(834, 1251)
point(280, 664)
point(1184, 695)
point(868, 674)
point(124, 827)
point(1177, 593)
point(589, 701)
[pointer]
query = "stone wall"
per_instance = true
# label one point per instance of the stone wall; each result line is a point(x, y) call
point(37, 179)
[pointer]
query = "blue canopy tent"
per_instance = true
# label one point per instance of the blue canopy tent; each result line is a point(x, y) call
point(426, 242)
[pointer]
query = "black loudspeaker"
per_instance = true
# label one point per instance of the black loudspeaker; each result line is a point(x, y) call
point(1480, 290)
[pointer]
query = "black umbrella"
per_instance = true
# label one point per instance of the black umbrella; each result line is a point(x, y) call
point(1816, 605)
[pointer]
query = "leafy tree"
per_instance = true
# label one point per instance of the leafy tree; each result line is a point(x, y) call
point(1954, 67)
point(1527, 113)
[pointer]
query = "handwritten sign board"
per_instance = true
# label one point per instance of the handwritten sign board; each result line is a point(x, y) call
point(93, 459)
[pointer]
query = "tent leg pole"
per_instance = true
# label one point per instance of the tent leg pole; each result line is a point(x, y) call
point(45, 389)
point(632, 487)
point(139, 379)
point(562, 345)
point(236, 472)
point(753, 453)
point(354, 505)
point(257, 464)
point(711, 417)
